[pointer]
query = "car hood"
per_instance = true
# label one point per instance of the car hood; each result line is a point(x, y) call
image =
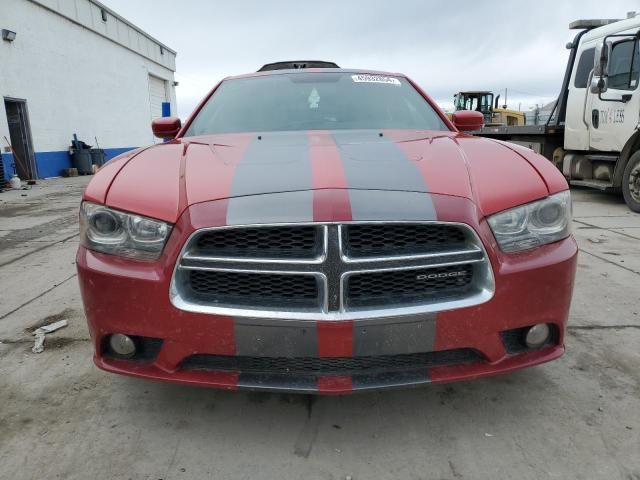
point(163, 180)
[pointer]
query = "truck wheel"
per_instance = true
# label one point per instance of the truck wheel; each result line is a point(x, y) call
point(631, 182)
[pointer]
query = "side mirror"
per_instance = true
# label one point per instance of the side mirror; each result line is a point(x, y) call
point(600, 69)
point(598, 84)
point(468, 120)
point(166, 127)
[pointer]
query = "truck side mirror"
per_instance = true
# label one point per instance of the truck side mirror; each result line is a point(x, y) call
point(600, 69)
point(598, 84)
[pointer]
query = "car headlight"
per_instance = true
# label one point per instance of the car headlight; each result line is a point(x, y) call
point(534, 224)
point(124, 234)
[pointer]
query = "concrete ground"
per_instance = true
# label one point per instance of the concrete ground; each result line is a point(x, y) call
point(60, 417)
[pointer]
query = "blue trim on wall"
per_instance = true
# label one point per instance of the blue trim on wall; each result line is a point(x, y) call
point(166, 109)
point(114, 152)
point(7, 160)
point(51, 164)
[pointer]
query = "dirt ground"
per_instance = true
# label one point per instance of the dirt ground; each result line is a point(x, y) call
point(60, 417)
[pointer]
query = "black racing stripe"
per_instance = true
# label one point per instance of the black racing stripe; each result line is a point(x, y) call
point(391, 205)
point(374, 162)
point(273, 162)
point(287, 207)
point(278, 162)
point(257, 338)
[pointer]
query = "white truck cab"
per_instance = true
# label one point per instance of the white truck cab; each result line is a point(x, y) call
point(593, 135)
point(605, 118)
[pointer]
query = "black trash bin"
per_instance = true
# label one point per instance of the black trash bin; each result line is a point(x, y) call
point(81, 160)
point(97, 156)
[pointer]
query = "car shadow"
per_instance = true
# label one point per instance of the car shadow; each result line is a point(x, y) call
point(297, 420)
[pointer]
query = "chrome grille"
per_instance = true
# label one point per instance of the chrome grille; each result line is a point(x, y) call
point(332, 271)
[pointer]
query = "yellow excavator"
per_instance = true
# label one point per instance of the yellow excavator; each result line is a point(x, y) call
point(482, 101)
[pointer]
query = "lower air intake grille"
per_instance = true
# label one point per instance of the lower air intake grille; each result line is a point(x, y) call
point(250, 288)
point(332, 366)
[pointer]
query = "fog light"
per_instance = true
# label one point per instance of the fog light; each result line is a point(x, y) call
point(537, 335)
point(122, 345)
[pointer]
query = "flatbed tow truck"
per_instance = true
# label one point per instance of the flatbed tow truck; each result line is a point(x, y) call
point(593, 133)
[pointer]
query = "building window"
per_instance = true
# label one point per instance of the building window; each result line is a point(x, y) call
point(103, 14)
point(624, 65)
point(161, 50)
point(585, 65)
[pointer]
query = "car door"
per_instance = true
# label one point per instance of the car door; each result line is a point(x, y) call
point(576, 135)
point(613, 114)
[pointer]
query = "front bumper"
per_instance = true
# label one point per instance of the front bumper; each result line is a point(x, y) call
point(333, 357)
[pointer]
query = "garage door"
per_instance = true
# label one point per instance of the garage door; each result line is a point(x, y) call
point(157, 95)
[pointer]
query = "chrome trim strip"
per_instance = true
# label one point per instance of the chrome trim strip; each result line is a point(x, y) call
point(300, 268)
point(250, 270)
point(413, 267)
point(422, 256)
point(337, 310)
point(364, 315)
point(292, 261)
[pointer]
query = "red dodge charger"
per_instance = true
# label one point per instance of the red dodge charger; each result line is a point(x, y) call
point(325, 230)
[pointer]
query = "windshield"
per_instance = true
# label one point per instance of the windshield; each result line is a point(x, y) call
point(315, 101)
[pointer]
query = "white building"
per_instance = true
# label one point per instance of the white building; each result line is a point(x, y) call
point(76, 67)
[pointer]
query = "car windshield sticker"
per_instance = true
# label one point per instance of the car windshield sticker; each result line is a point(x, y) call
point(314, 99)
point(376, 79)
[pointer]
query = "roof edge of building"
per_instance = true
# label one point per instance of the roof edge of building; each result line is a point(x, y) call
point(113, 14)
point(132, 25)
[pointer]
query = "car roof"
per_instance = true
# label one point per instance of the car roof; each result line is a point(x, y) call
point(315, 70)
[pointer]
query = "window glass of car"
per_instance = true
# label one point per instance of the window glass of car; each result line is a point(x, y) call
point(624, 65)
point(585, 65)
point(315, 101)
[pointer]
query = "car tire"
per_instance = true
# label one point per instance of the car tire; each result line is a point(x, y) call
point(631, 183)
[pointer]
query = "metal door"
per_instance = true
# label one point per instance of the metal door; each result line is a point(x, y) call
point(20, 137)
point(157, 96)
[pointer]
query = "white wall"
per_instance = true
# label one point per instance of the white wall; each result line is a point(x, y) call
point(75, 80)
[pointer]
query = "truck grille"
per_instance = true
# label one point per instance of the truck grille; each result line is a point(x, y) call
point(333, 271)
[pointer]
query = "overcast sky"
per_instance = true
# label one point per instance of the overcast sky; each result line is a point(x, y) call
point(445, 46)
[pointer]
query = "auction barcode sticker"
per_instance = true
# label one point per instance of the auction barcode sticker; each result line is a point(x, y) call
point(376, 79)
